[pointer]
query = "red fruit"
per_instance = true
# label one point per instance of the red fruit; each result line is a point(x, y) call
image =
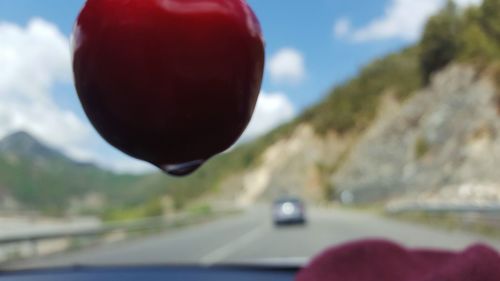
point(171, 82)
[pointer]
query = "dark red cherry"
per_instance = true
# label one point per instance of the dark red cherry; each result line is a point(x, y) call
point(171, 82)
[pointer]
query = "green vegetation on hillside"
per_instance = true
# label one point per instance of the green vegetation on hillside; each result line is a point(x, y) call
point(354, 104)
point(44, 180)
point(48, 185)
point(421, 147)
point(440, 43)
point(152, 208)
point(470, 36)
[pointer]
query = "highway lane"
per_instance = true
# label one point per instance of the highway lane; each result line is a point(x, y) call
point(251, 238)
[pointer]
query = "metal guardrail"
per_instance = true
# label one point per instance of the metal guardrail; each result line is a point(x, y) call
point(88, 231)
point(464, 215)
point(143, 225)
point(130, 226)
point(449, 208)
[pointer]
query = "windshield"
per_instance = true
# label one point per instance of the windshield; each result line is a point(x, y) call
point(375, 119)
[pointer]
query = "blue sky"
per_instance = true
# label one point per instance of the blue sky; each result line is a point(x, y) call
point(311, 46)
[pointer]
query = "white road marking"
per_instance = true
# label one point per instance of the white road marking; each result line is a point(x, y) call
point(225, 251)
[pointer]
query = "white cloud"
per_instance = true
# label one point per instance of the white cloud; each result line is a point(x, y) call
point(32, 60)
point(272, 110)
point(130, 165)
point(288, 66)
point(36, 57)
point(402, 19)
point(342, 27)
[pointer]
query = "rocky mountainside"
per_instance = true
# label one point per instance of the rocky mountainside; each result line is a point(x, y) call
point(291, 166)
point(421, 124)
point(446, 135)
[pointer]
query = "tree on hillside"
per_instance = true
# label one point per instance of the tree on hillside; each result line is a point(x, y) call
point(440, 42)
point(478, 43)
point(490, 18)
point(476, 46)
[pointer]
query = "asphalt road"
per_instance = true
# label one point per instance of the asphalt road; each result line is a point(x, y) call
point(251, 238)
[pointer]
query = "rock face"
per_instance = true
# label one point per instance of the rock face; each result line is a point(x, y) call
point(445, 136)
point(291, 167)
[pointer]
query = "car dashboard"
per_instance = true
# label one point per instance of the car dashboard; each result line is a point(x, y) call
point(153, 273)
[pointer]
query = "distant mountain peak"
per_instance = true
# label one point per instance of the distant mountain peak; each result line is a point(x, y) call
point(23, 144)
point(19, 136)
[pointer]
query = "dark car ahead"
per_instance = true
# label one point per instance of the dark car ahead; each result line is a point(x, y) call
point(288, 211)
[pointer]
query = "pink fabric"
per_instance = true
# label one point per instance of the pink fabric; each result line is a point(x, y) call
point(378, 260)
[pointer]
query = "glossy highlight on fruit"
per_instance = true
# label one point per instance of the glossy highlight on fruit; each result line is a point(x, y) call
point(171, 82)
